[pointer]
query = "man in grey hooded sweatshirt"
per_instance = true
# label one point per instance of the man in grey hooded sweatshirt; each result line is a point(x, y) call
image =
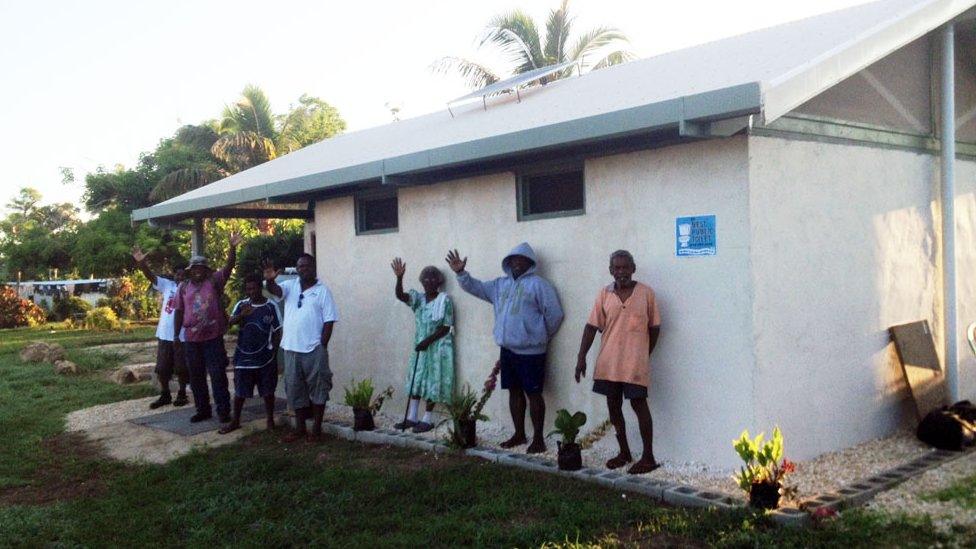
point(527, 315)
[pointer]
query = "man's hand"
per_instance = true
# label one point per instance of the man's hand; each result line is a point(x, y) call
point(138, 255)
point(270, 273)
point(246, 309)
point(580, 368)
point(235, 239)
point(399, 267)
point(456, 263)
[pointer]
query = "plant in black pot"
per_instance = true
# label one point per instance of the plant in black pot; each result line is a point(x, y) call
point(465, 411)
point(764, 473)
point(359, 395)
point(570, 458)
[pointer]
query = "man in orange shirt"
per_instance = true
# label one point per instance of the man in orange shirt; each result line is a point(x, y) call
point(626, 314)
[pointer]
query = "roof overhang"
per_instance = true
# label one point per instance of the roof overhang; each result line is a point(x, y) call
point(693, 116)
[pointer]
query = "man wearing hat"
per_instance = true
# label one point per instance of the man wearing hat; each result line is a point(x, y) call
point(202, 317)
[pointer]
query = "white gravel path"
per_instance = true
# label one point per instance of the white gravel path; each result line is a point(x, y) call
point(826, 473)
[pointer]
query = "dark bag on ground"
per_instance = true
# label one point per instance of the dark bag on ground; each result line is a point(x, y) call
point(950, 427)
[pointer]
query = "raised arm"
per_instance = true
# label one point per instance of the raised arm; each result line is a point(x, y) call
point(399, 269)
point(468, 283)
point(589, 334)
point(235, 240)
point(270, 274)
point(140, 258)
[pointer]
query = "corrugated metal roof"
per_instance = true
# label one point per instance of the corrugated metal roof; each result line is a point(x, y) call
point(768, 72)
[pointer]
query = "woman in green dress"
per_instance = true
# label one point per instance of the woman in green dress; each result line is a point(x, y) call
point(431, 372)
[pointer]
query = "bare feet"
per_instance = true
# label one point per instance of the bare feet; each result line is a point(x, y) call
point(619, 461)
point(294, 436)
point(644, 465)
point(537, 447)
point(516, 440)
point(232, 426)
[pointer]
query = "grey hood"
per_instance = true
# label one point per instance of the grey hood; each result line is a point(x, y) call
point(524, 250)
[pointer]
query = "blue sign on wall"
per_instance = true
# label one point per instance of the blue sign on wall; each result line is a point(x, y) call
point(695, 235)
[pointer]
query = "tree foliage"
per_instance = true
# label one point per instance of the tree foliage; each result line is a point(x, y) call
point(36, 239)
point(16, 312)
point(515, 40)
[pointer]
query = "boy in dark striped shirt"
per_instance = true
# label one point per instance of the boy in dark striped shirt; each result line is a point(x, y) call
point(255, 361)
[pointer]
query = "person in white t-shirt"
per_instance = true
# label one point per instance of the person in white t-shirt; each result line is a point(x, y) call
point(169, 354)
point(310, 314)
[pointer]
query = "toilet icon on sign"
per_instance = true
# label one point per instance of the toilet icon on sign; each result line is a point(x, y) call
point(684, 234)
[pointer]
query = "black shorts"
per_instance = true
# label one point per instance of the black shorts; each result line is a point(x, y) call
point(264, 378)
point(525, 372)
point(619, 389)
point(170, 362)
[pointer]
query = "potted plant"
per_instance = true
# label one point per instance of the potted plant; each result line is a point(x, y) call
point(765, 470)
point(360, 396)
point(569, 458)
point(465, 411)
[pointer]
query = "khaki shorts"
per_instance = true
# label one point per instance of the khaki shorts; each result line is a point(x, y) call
point(308, 378)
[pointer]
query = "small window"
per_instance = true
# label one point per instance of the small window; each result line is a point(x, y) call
point(376, 214)
point(554, 193)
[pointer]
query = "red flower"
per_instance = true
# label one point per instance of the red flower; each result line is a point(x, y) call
point(821, 514)
point(788, 467)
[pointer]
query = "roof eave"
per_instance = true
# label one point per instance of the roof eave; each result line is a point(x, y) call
point(731, 102)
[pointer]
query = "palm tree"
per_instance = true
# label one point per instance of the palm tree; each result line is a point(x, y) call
point(187, 162)
point(516, 38)
point(247, 134)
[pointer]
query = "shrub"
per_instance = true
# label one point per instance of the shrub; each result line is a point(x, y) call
point(568, 425)
point(16, 311)
point(102, 318)
point(68, 307)
point(763, 460)
point(360, 396)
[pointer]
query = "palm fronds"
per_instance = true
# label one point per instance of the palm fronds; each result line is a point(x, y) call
point(474, 74)
point(557, 33)
point(515, 39)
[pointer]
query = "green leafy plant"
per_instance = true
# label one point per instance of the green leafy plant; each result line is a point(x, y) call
point(359, 395)
point(102, 318)
point(568, 425)
point(69, 306)
point(466, 405)
point(764, 461)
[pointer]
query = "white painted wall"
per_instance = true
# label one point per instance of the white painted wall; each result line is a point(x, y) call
point(702, 384)
point(844, 245)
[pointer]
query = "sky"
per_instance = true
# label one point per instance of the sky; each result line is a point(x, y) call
point(95, 83)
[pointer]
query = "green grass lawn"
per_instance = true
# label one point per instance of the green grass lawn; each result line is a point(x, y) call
point(55, 490)
point(963, 492)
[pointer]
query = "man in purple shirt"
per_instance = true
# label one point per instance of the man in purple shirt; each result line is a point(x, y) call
point(201, 315)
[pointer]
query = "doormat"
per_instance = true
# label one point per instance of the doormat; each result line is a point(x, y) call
point(178, 421)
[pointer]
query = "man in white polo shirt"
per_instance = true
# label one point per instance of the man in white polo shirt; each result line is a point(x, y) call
point(310, 313)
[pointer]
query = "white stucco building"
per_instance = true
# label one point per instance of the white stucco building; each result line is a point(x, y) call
point(816, 147)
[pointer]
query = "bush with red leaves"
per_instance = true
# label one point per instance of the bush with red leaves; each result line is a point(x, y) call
point(16, 312)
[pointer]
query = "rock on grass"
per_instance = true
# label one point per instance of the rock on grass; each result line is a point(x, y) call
point(38, 351)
